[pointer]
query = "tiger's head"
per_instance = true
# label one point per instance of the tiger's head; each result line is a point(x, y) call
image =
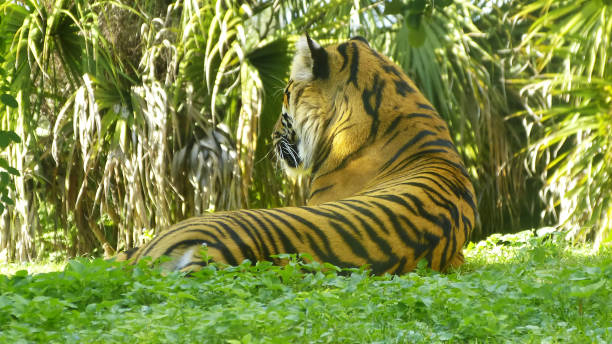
point(305, 109)
point(339, 114)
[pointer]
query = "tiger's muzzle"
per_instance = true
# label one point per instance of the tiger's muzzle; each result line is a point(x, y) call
point(286, 142)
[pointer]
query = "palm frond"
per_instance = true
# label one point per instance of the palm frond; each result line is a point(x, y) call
point(569, 48)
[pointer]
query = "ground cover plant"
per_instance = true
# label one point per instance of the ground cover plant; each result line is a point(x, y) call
point(513, 288)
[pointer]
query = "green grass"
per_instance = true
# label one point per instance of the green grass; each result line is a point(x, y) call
point(516, 288)
point(33, 268)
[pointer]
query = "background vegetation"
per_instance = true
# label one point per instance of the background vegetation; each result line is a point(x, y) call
point(119, 118)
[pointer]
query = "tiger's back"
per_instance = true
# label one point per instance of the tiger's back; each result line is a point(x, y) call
point(387, 184)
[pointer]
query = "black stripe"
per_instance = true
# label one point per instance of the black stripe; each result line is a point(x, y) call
point(451, 251)
point(389, 68)
point(257, 231)
point(402, 165)
point(425, 106)
point(326, 149)
point(320, 61)
point(365, 211)
point(198, 263)
point(458, 187)
point(406, 146)
point(340, 128)
point(360, 38)
point(439, 200)
point(354, 65)
point(440, 143)
point(457, 167)
point(392, 137)
point(288, 246)
point(323, 150)
point(342, 50)
point(444, 255)
point(449, 186)
point(400, 266)
point(321, 154)
point(467, 227)
point(401, 86)
point(322, 189)
point(434, 241)
point(183, 244)
point(329, 214)
point(421, 243)
point(377, 266)
point(420, 210)
point(179, 226)
point(283, 221)
point(372, 109)
point(245, 249)
point(349, 240)
point(339, 222)
point(440, 182)
point(402, 117)
point(440, 220)
point(397, 227)
point(327, 255)
point(227, 255)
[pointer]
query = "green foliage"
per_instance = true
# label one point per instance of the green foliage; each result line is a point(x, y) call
point(519, 288)
point(413, 12)
point(7, 101)
point(142, 113)
point(568, 48)
point(6, 138)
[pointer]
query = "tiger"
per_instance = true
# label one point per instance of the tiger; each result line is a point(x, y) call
point(387, 185)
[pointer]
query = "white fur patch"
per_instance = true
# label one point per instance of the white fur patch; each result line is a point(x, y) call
point(301, 67)
point(295, 172)
point(185, 259)
point(308, 133)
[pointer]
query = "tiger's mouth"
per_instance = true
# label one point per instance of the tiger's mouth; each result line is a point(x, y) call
point(288, 152)
point(286, 143)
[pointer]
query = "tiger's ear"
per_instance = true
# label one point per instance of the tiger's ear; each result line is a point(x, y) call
point(310, 61)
